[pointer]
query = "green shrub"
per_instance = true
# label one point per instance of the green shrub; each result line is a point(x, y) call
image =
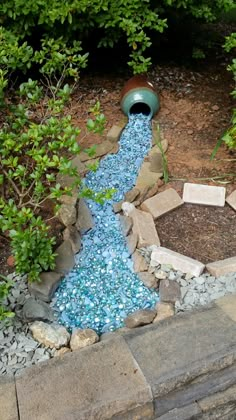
point(103, 23)
point(230, 136)
point(35, 143)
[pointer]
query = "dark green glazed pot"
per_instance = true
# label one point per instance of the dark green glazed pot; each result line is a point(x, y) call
point(139, 96)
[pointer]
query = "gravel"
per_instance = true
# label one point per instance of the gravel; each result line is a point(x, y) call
point(17, 347)
point(195, 291)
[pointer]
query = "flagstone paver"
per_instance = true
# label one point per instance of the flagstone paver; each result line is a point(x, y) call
point(222, 267)
point(8, 401)
point(144, 227)
point(231, 200)
point(162, 203)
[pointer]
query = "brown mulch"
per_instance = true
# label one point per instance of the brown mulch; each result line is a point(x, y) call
point(200, 232)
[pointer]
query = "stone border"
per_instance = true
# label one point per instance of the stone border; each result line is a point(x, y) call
point(143, 234)
point(184, 368)
point(139, 229)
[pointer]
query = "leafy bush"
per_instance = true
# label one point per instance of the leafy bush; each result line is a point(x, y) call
point(230, 136)
point(35, 143)
point(103, 23)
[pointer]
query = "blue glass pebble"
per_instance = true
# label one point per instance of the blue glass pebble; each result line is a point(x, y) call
point(103, 289)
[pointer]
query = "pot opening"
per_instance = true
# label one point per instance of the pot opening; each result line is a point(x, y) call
point(140, 108)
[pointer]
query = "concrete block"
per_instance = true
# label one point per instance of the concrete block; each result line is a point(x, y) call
point(220, 399)
point(98, 382)
point(8, 401)
point(179, 262)
point(183, 413)
point(231, 200)
point(144, 226)
point(228, 305)
point(186, 357)
point(222, 267)
point(114, 133)
point(162, 203)
point(204, 194)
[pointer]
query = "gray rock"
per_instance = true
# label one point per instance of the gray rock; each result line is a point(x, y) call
point(65, 258)
point(34, 310)
point(50, 335)
point(200, 280)
point(169, 291)
point(148, 280)
point(160, 275)
point(71, 234)
point(138, 318)
point(84, 218)
point(172, 275)
point(156, 163)
point(139, 262)
point(132, 241)
point(67, 214)
point(49, 282)
point(82, 338)
point(101, 150)
point(126, 224)
point(164, 310)
point(117, 207)
point(131, 195)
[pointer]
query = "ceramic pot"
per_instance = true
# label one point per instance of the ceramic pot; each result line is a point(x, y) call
point(139, 96)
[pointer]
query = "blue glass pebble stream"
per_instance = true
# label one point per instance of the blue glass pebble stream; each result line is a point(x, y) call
point(103, 289)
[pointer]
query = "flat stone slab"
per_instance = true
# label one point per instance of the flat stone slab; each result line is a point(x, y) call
point(169, 291)
point(146, 178)
point(178, 261)
point(231, 200)
point(114, 133)
point(64, 260)
point(162, 203)
point(102, 381)
point(228, 305)
point(8, 402)
point(45, 289)
point(144, 227)
point(186, 357)
point(204, 194)
point(222, 267)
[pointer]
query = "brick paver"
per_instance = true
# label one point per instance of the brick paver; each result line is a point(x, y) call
point(204, 194)
point(162, 203)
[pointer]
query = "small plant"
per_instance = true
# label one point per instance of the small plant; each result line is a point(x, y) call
point(35, 148)
point(5, 285)
point(164, 158)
